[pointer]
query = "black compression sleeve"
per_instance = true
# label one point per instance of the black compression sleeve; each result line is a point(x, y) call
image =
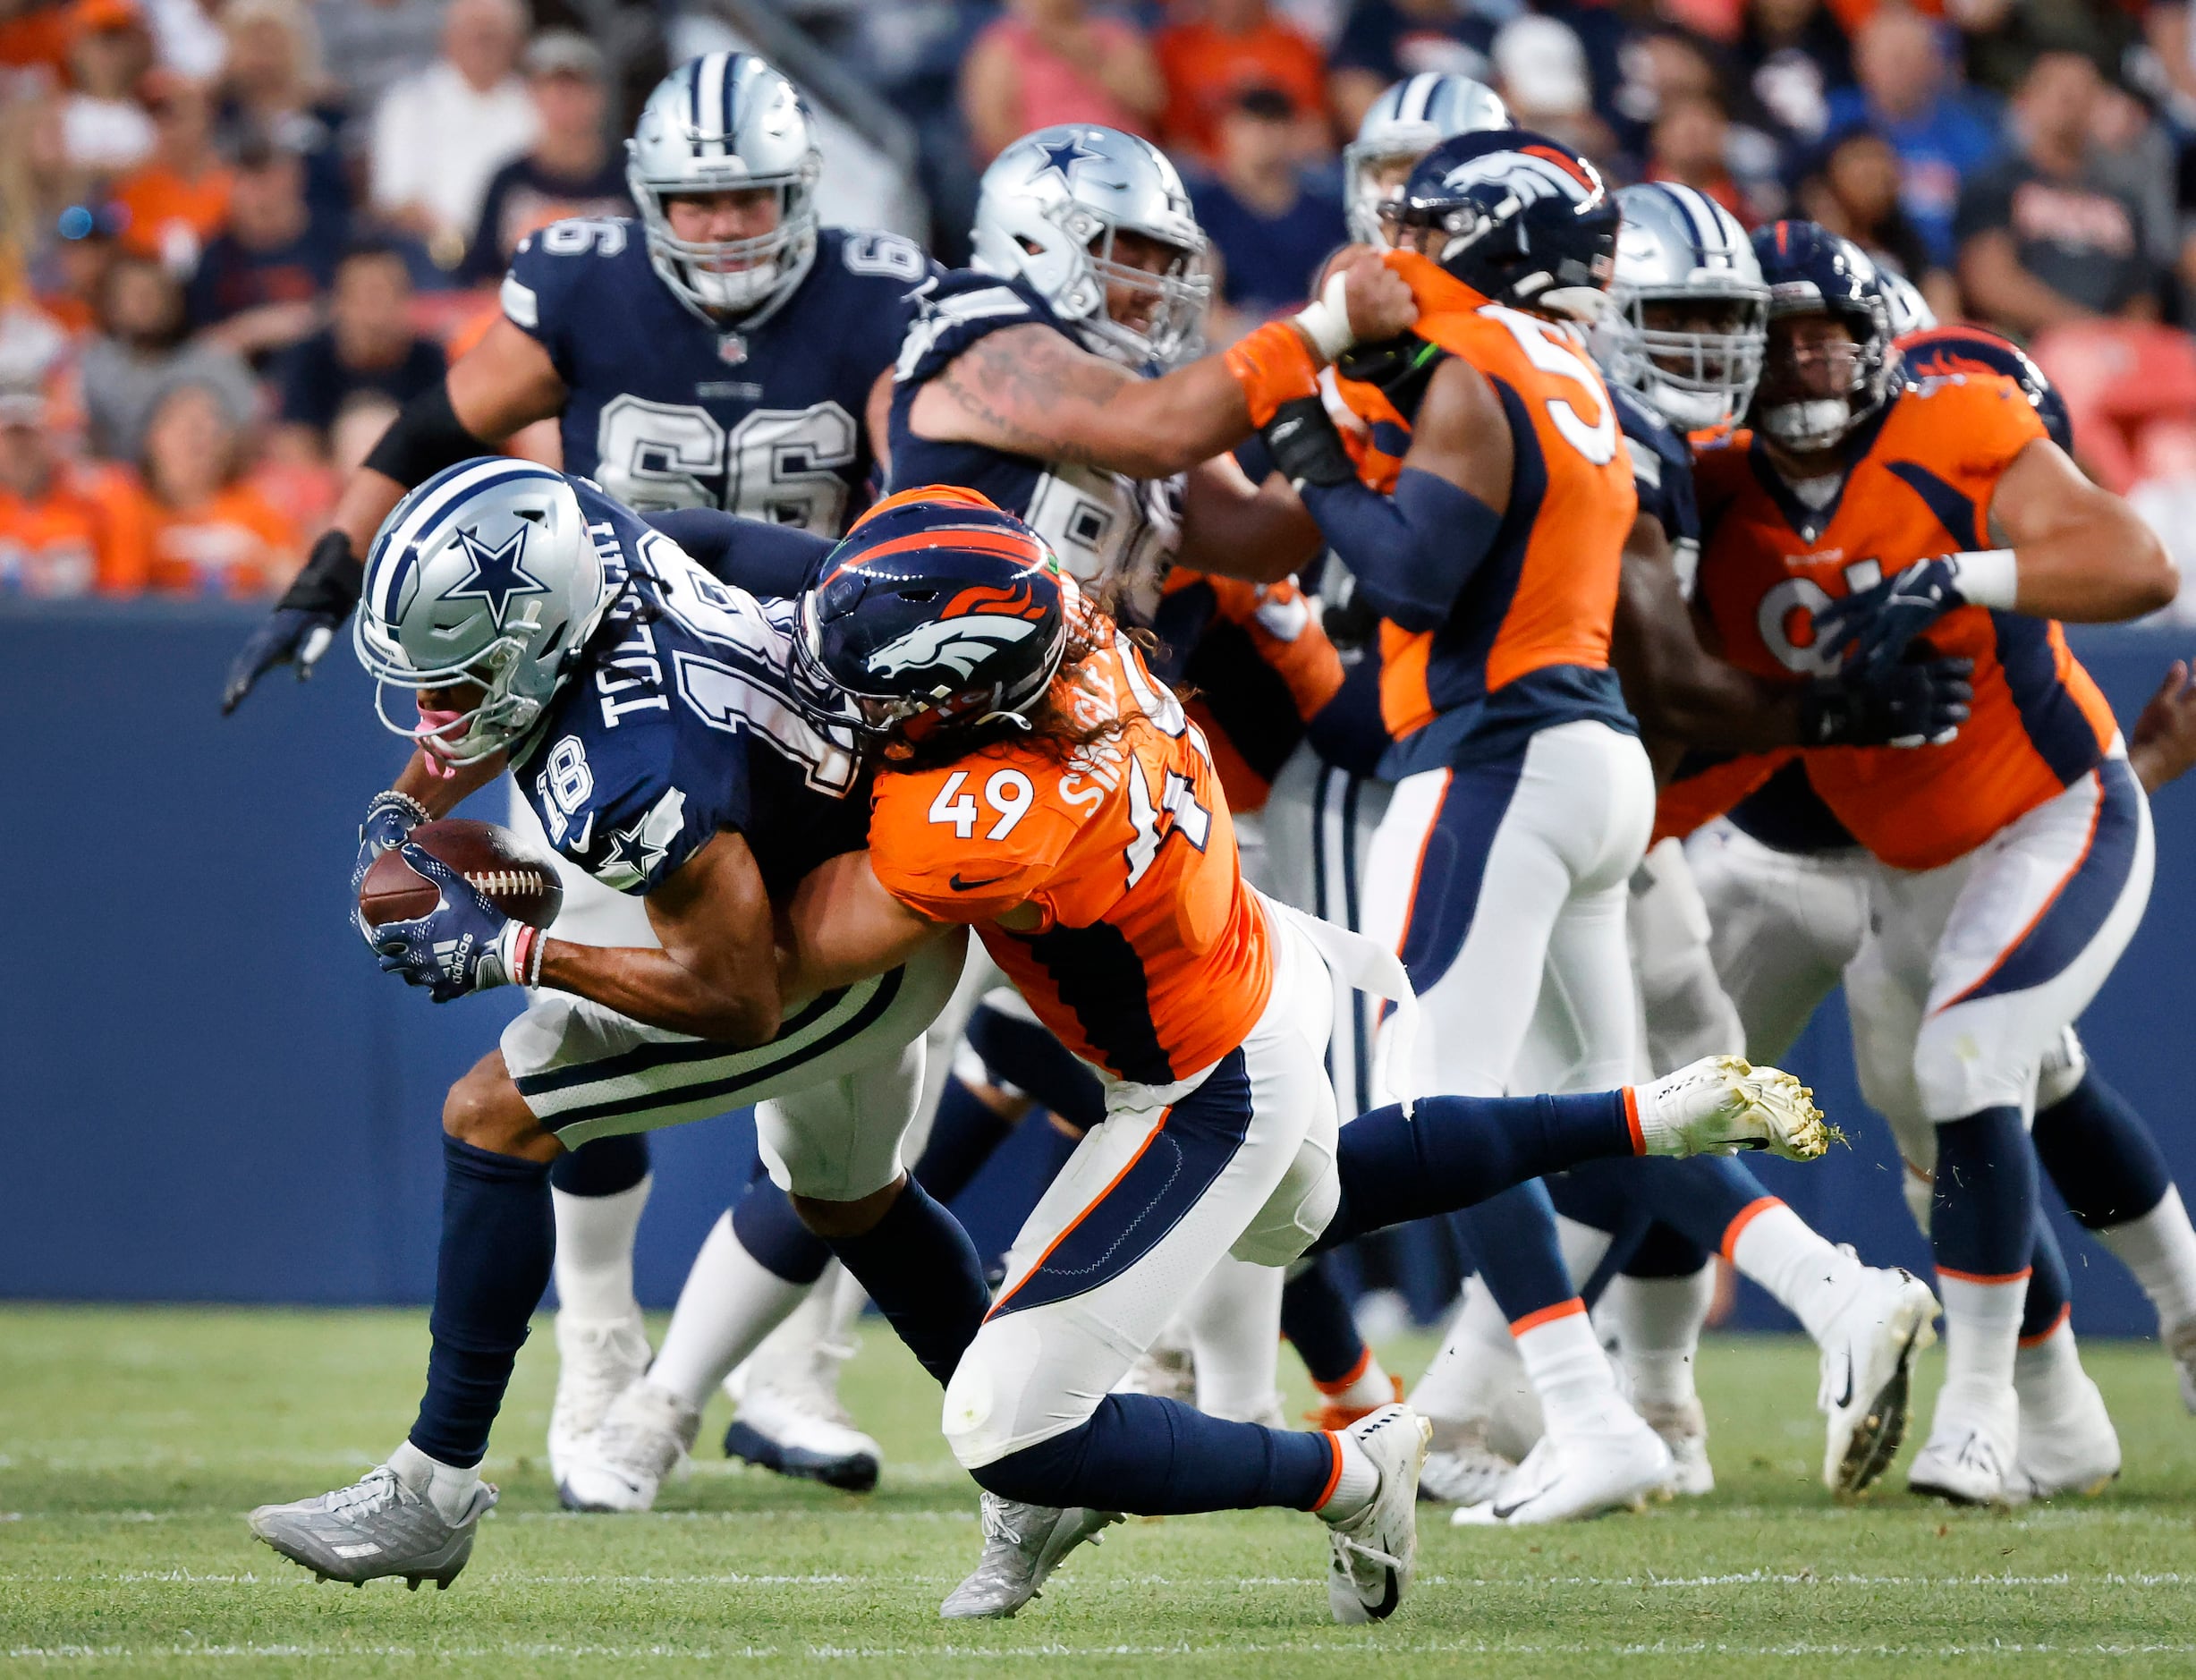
point(426, 436)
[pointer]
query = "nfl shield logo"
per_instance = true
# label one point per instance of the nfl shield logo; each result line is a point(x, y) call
point(732, 349)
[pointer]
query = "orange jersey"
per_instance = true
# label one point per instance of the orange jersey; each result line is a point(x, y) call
point(1921, 487)
point(171, 218)
point(1696, 794)
point(86, 534)
point(236, 545)
point(1529, 636)
point(1151, 958)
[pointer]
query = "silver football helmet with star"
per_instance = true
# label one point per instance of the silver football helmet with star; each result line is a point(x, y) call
point(1691, 311)
point(1409, 119)
point(1048, 210)
point(724, 122)
point(484, 575)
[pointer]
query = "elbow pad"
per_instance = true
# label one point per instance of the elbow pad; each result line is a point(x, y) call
point(426, 436)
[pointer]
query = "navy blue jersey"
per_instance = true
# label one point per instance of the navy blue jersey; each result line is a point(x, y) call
point(1662, 472)
point(680, 724)
point(666, 411)
point(1109, 531)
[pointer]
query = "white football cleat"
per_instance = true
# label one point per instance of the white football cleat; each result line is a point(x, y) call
point(1683, 1429)
point(377, 1526)
point(790, 1419)
point(597, 1360)
point(1372, 1556)
point(1023, 1544)
point(644, 1437)
point(2066, 1447)
point(1614, 1466)
point(2180, 1342)
point(1973, 1449)
point(1721, 1104)
point(1461, 1468)
point(1868, 1359)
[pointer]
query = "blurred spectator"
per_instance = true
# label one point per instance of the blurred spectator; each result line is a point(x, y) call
point(212, 533)
point(178, 200)
point(185, 37)
point(1687, 143)
point(1386, 41)
point(1229, 47)
point(1792, 54)
point(378, 43)
point(570, 170)
point(36, 39)
point(2171, 33)
point(1540, 72)
point(359, 422)
point(1906, 94)
point(1270, 232)
point(1854, 190)
point(440, 134)
point(367, 346)
point(66, 528)
point(256, 289)
point(2136, 155)
point(1052, 61)
point(103, 127)
point(75, 268)
point(2044, 239)
point(142, 351)
point(274, 87)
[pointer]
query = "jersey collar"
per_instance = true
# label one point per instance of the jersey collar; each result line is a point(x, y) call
point(1810, 523)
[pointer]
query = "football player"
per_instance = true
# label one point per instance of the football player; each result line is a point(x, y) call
point(723, 351)
point(1035, 781)
point(647, 711)
point(2004, 870)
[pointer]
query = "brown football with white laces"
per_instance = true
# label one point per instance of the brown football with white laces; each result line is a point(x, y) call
point(516, 878)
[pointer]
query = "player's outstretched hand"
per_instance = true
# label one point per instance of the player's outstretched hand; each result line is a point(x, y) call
point(464, 946)
point(1919, 704)
point(2164, 745)
point(304, 622)
point(1379, 302)
point(1872, 627)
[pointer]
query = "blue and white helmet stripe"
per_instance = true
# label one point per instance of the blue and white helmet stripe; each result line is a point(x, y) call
point(485, 575)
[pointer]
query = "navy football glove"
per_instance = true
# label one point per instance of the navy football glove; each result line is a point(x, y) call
point(390, 818)
point(304, 621)
point(1922, 704)
point(466, 945)
point(1874, 626)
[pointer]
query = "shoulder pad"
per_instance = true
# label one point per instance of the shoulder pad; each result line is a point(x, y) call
point(551, 263)
point(956, 312)
point(971, 840)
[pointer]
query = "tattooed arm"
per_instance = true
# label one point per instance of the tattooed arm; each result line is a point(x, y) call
point(1029, 390)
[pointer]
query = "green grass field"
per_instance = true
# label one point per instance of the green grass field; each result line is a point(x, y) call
point(131, 1442)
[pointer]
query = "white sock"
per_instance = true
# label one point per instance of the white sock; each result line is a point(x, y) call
point(1658, 1322)
point(2160, 1249)
point(1983, 1333)
point(1234, 1323)
point(1583, 1246)
point(729, 1303)
point(1368, 1385)
point(1477, 1363)
point(1569, 1371)
point(1806, 1273)
point(1357, 1484)
point(448, 1488)
point(594, 1253)
point(2048, 1374)
point(796, 1333)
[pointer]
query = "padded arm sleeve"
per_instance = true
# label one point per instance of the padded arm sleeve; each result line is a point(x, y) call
point(1411, 553)
point(426, 436)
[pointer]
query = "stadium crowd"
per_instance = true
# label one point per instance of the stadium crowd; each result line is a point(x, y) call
point(238, 234)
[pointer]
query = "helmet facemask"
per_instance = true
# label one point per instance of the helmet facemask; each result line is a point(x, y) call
point(1697, 377)
point(1370, 201)
point(732, 277)
point(1180, 293)
point(508, 709)
point(1811, 396)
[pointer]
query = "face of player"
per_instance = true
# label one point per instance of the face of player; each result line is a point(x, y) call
point(720, 218)
point(1135, 306)
point(1383, 180)
point(1710, 318)
point(1811, 358)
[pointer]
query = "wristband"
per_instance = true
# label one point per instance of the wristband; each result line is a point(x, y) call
point(1325, 320)
point(512, 959)
point(1986, 577)
point(1273, 365)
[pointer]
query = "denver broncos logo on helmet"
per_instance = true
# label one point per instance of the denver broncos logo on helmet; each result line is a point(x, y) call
point(958, 644)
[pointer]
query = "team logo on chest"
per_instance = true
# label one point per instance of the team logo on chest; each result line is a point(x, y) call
point(731, 348)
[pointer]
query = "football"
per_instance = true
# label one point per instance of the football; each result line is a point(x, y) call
point(520, 881)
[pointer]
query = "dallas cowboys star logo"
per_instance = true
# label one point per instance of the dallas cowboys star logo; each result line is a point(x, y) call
point(1061, 156)
point(497, 573)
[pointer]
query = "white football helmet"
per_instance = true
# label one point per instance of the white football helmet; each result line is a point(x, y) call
point(484, 574)
point(1047, 210)
point(1677, 246)
point(720, 122)
point(1407, 121)
point(1910, 311)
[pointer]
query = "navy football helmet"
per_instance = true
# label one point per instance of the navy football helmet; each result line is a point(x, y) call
point(1519, 218)
point(1944, 352)
point(1811, 399)
point(937, 609)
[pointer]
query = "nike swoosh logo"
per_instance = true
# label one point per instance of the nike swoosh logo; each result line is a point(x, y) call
point(960, 885)
point(1504, 1513)
point(1387, 1606)
point(1845, 1399)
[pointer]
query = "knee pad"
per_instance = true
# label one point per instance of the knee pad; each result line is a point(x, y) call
point(1301, 1208)
point(2065, 1066)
